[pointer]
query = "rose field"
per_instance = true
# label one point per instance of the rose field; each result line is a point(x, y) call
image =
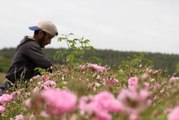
point(133, 91)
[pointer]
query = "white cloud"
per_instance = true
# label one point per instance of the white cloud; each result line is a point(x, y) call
point(150, 25)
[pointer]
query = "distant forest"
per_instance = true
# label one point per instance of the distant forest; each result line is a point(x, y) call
point(168, 62)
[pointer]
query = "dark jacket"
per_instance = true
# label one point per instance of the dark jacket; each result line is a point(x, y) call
point(28, 56)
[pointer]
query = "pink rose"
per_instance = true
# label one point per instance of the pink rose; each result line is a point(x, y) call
point(174, 78)
point(174, 114)
point(59, 101)
point(45, 78)
point(107, 101)
point(146, 85)
point(19, 117)
point(157, 86)
point(28, 103)
point(2, 109)
point(133, 82)
point(110, 81)
point(97, 68)
point(49, 84)
point(134, 101)
point(5, 98)
point(95, 85)
point(100, 106)
point(84, 105)
point(83, 67)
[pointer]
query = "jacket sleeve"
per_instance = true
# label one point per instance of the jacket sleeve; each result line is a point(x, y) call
point(34, 53)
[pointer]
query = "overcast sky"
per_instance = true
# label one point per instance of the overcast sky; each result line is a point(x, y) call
point(124, 25)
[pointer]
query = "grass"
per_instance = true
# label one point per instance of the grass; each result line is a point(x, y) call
point(2, 77)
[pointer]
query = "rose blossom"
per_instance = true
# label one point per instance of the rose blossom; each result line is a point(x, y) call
point(133, 82)
point(5, 98)
point(59, 101)
point(83, 67)
point(174, 78)
point(174, 114)
point(19, 117)
point(110, 81)
point(45, 78)
point(97, 68)
point(100, 105)
point(49, 84)
point(28, 103)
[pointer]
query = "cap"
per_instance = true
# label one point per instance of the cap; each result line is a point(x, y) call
point(46, 26)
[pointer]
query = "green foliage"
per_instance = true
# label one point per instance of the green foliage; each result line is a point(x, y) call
point(177, 68)
point(4, 64)
point(13, 111)
point(136, 62)
point(76, 49)
point(5, 59)
point(40, 70)
point(133, 66)
point(7, 52)
point(2, 77)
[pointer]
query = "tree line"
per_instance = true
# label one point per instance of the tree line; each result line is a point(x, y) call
point(168, 62)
